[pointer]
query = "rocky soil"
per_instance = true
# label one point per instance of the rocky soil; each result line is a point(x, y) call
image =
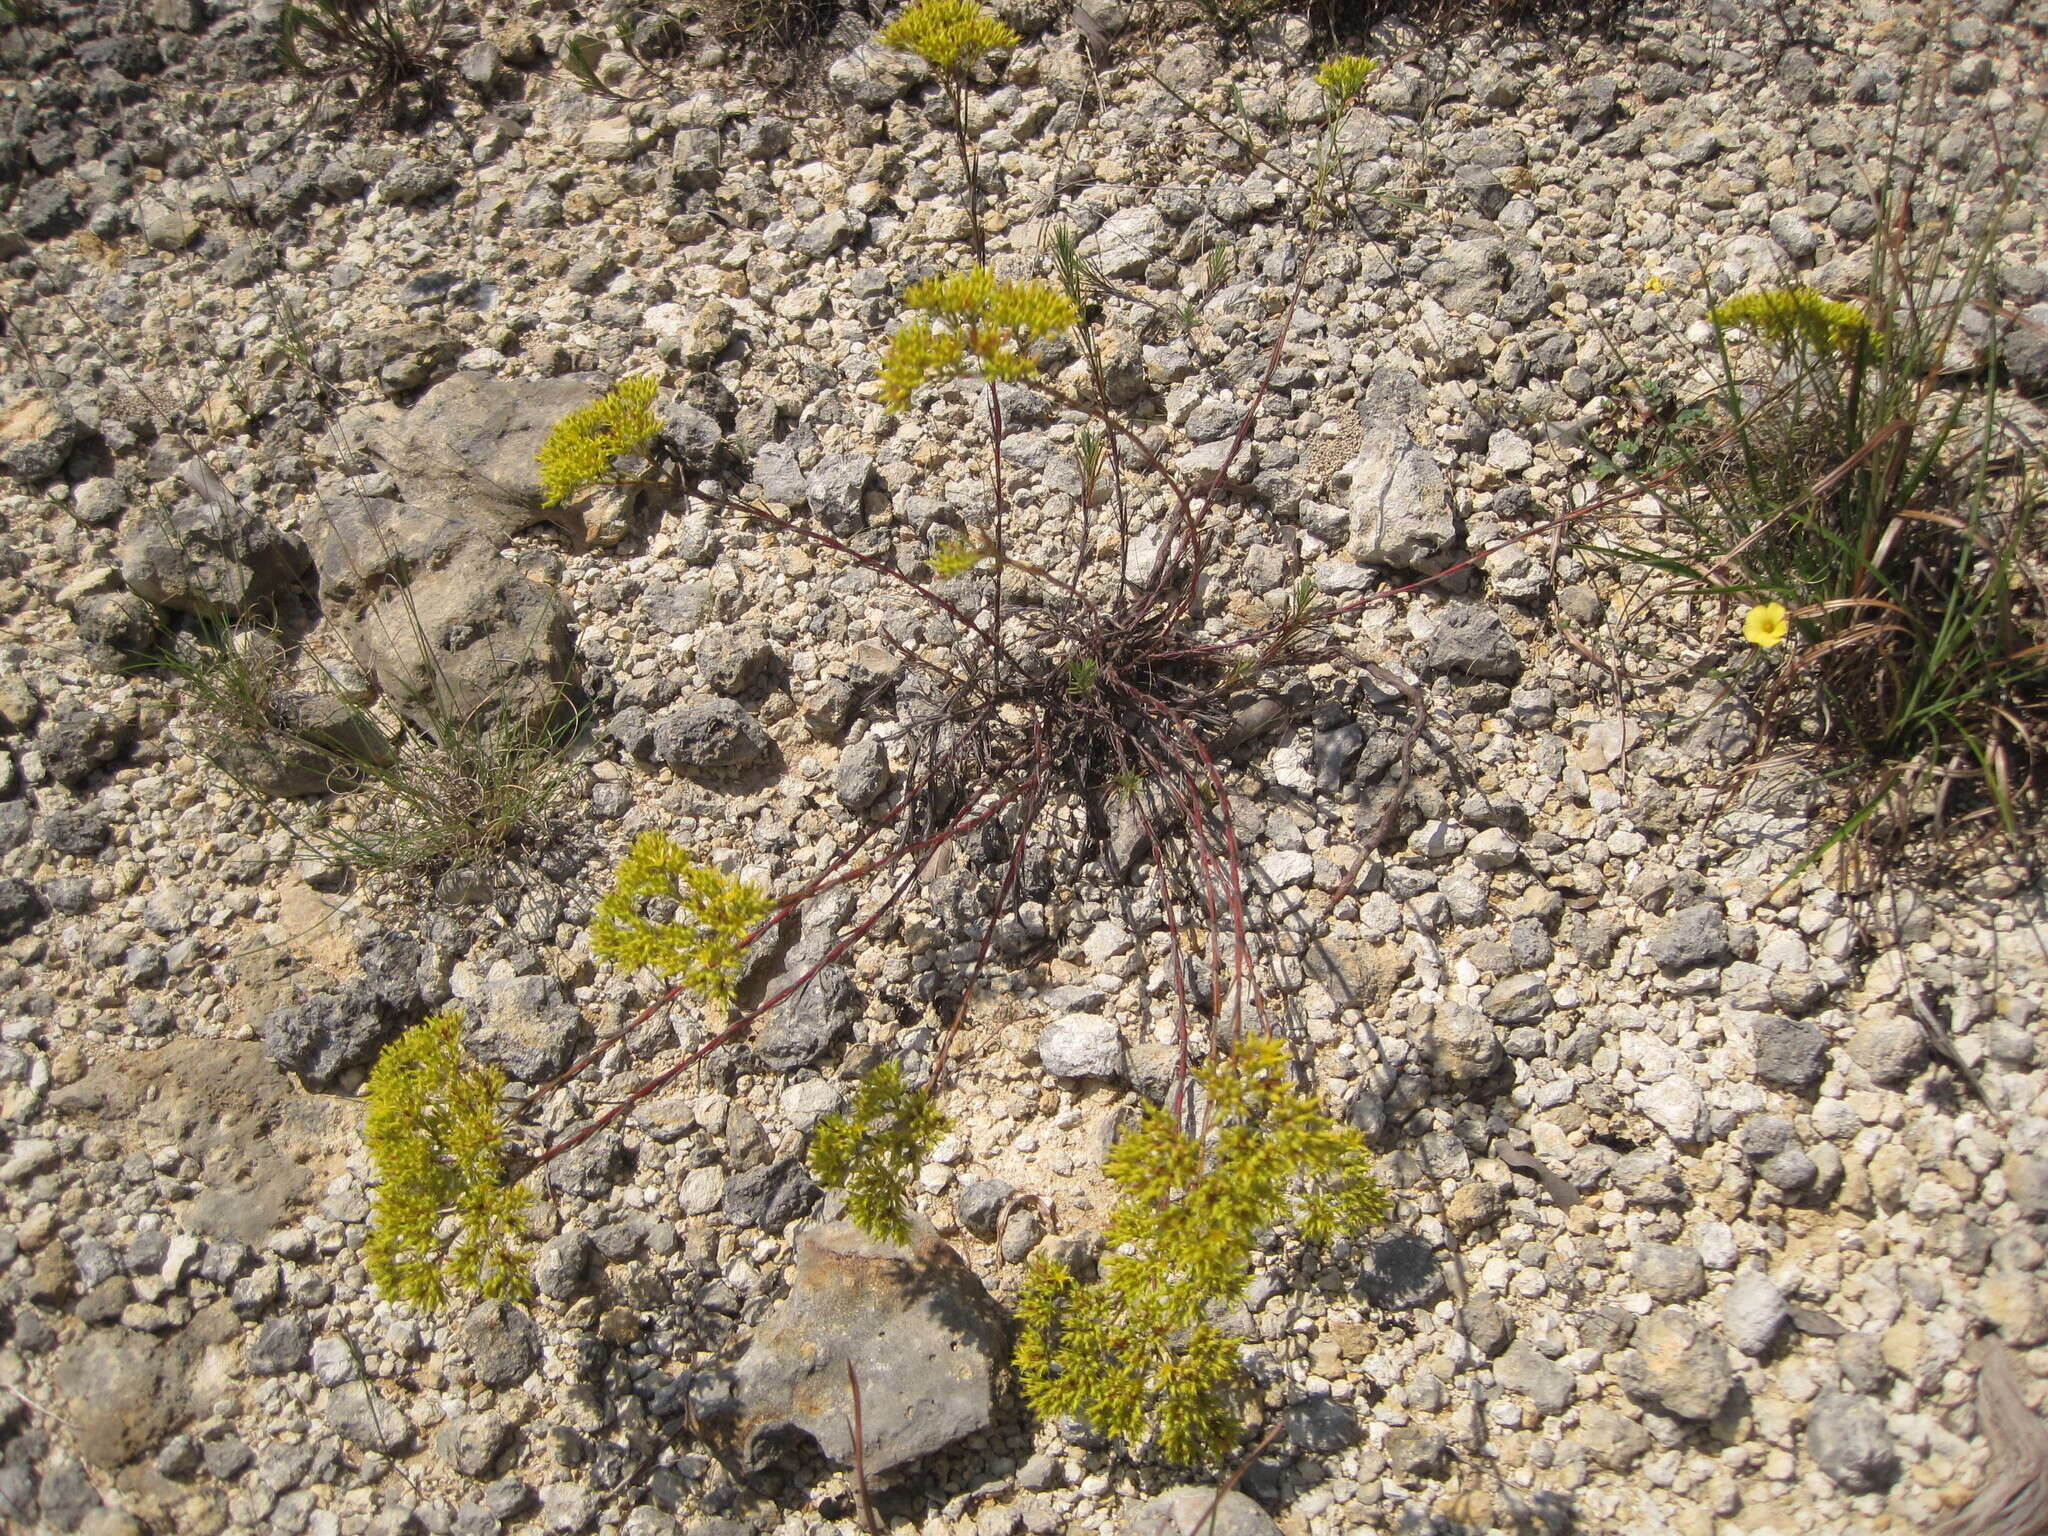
point(1710, 1186)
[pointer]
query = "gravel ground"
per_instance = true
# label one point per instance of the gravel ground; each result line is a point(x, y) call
point(1698, 1224)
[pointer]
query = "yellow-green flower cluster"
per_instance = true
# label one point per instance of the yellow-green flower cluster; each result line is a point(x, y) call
point(436, 1134)
point(875, 1149)
point(956, 557)
point(1136, 1353)
point(950, 35)
point(581, 447)
point(1344, 77)
point(1791, 318)
point(979, 323)
point(703, 945)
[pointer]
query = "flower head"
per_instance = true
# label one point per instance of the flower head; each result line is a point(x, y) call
point(1792, 318)
point(1766, 625)
point(581, 446)
point(983, 326)
point(1344, 77)
point(950, 35)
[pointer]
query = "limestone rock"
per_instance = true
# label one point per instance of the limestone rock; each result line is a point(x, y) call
point(448, 629)
point(208, 558)
point(1676, 1367)
point(922, 1335)
point(466, 447)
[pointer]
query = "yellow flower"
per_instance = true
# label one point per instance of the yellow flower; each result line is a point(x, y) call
point(1766, 625)
point(1789, 318)
point(984, 326)
point(1653, 284)
point(950, 35)
point(1345, 76)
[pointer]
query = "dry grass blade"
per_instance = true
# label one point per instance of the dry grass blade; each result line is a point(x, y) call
point(2014, 1499)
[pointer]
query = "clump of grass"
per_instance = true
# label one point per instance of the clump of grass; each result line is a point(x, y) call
point(387, 51)
point(1853, 492)
point(412, 801)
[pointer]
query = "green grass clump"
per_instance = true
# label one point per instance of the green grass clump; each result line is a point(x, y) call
point(581, 448)
point(1855, 494)
point(873, 1151)
point(1135, 1353)
point(703, 944)
point(443, 1216)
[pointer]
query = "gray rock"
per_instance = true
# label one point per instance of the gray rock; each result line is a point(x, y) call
point(980, 1206)
point(1400, 510)
point(1414, 1452)
point(502, 1343)
point(119, 623)
point(863, 773)
point(1752, 1312)
point(76, 743)
point(21, 907)
point(205, 558)
point(2026, 1173)
point(364, 1417)
point(1692, 937)
point(2023, 350)
point(1400, 1273)
point(875, 77)
point(1789, 1053)
point(1890, 1047)
point(1524, 1370)
point(97, 502)
point(1669, 1271)
point(1487, 1324)
point(561, 1267)
point(770, 1197)
point(1128, 242)
point(1518, 1000)
point(448, 630)
point(1847, 1438)
point(330, 1033)
point(837, 490)
point(414, 181)
point(1464, 1047)
point(279, 1347)
point(732, 661)
point(1185, 1511)
point(1676, 1366)
point(524, 1025)
point(37, 434)
point(1612, 1440)
point(1794, 234)
point(923, 1337)
point(466, 448)
point(472, 1443)
point(711, 736)
point(1082, 1045)
point(1021, 1234)
point(1470, 640)
point(809, 1023)
point(75, 831)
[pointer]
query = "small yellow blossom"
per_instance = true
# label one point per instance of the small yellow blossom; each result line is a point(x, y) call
point(1766, 625)
point(1653, 284)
